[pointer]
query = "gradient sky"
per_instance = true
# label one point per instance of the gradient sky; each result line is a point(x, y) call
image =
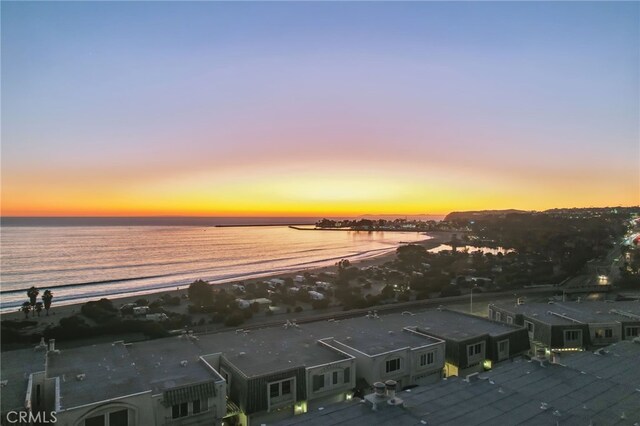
point(154, 108)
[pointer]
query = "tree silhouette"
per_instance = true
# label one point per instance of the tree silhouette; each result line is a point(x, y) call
point(38, 308)
point(33, 293)
point(47, 297)
point(26, 308)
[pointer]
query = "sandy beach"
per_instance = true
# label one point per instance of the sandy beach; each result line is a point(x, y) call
point(60, 311)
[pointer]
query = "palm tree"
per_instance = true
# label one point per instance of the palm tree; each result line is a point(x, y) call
point(47, 297)
point(38, 308)
point(26, 308)
point(33, 293)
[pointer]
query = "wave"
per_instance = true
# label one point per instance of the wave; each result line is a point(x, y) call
point(154, 287)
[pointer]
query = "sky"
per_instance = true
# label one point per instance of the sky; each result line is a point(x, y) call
point(309, 108)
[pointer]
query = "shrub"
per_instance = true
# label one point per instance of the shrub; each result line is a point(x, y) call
point(234, 319)
point(101, 311)
point(320, 304)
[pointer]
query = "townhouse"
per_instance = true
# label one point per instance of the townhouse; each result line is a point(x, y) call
point(253, 376)
point(572, 326)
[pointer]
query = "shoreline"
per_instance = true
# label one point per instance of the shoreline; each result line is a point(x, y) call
point(70, 307)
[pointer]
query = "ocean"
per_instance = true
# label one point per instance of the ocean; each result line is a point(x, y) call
point(78, 263)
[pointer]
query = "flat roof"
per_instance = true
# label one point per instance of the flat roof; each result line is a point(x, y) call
point(374, 336)
point(453, 325)
point(109, 372)
point(16, 369)
point(585, 312)
point(160, 363)
point(519, 392)
point(617, 362)
point(272, 349)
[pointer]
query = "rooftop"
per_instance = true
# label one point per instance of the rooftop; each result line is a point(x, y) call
point(618, 362)
point(170, 363)
point(94, 373)
point(520, 392)
point(16, 370)
point(157, 365)
point(272, 349)
point(559, 313)
point(452, 325)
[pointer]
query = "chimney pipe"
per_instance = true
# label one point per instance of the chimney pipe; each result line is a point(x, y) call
point(52, 345)
point(379, 389)
point(391, 388)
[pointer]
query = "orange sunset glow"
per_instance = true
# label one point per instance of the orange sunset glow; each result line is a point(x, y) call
point(294, 110)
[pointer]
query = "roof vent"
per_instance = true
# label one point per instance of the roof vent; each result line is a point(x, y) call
point(184, 363)
point(544, 406)
point(472, 377)
point(242, 354)
point(4, 383)
point(391, 332)
point(81, 377)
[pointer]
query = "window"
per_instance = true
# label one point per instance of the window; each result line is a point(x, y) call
point(498, 316)
point(286, 387)
point(509, 319)
point(426, 359)
point(281, 391)
point(393, 365)
point(119, 418)
point(95, 421)
point(318, 382)
point(347, 375)
point(490, 313)
point(604, 333)
point(114, 418)
point(632, 331)
point(330, 379)
point(274, 390)
point(529, 326)
point(503, 349)
point(572, 335)
point(196, 406)
point(473, 350)
point(180, 410)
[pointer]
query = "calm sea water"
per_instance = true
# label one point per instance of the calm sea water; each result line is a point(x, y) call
point(80, 263)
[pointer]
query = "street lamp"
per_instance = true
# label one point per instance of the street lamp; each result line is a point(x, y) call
point(471, 299)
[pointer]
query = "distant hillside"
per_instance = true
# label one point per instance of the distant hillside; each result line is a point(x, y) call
point(461, 216)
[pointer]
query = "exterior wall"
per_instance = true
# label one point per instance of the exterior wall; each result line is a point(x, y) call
point(252, 394)
point(598, 333)
point(140, 408)
point(518, 345)
point(504, 315)
point(373, 368)
point(629, 328)
point(211, 415)
point(331, 392)
point(558, 334)
point(430, 373)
